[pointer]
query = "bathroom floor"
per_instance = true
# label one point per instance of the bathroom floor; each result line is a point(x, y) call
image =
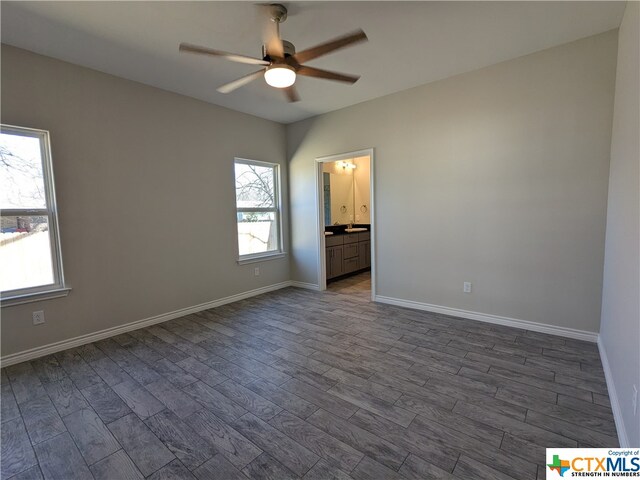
point(359, 284)
point(303, 384)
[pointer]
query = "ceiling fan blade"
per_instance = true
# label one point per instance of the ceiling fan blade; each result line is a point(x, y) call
point(231, 86)
point(326, 74)
point(234, 57)
point(330, 46)
point(292, 94)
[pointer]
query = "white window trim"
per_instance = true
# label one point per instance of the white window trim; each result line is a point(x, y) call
point(273, 254)
point(35, 297)
point(58, 287)
point(263, 257)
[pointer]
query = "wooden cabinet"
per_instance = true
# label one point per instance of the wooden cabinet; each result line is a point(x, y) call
point(365, 254)
point(347, 253)
point(351, 238)
point(351, 250)
point(333, 241)
point(367, 261)
point(334, 261)
point(351, 265)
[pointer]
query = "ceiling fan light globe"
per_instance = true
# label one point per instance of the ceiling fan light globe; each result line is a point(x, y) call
point(280, 76)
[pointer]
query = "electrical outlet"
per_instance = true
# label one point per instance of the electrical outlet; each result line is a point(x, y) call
point(466, 287)
point(38, 317)
point(256, 271)
point(634, 400)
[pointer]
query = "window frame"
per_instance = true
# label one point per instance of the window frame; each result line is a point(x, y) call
point(277, 210)
point(58, 287)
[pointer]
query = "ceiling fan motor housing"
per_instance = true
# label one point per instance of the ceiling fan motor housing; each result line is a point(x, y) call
point(288, 47)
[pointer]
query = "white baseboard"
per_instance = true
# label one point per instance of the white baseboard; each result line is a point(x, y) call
point(485, 317)
point(613, 397)
point(111, 332)
point(308, 286)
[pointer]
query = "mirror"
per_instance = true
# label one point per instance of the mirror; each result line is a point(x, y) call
point(346, 191)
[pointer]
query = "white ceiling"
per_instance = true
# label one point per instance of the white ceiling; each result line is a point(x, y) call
point(410, 43)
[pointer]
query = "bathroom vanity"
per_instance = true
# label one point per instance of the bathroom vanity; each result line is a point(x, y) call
point(347, 253)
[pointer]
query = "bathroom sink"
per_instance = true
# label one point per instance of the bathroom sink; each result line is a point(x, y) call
point(352, 230)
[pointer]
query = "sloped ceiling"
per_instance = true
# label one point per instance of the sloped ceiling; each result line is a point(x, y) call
point(410, 43)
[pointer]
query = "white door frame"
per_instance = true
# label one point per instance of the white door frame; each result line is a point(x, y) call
point(322, 265)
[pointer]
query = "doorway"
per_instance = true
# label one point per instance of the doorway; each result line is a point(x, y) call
point(346, 222)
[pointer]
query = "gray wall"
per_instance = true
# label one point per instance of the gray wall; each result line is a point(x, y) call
point(497, 177)
point(620, 330)
point(145, 192)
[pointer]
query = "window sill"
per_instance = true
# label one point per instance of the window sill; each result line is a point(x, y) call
point(34, 297)
point(261, 258)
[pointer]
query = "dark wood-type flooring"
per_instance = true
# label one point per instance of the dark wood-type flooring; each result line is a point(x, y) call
point(302, 384)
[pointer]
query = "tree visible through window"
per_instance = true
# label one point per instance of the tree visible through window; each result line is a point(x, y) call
point(29, 247)
point(258, 208)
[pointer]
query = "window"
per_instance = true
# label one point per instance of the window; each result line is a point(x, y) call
point(29, 241)
point(258, 209)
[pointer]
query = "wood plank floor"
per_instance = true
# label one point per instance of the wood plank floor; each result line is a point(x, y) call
point(302, 384)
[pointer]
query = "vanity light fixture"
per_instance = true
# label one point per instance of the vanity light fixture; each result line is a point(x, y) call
point(280, 76)
point(346, 165)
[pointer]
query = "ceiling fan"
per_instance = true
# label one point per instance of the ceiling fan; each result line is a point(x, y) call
point(279, 58)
